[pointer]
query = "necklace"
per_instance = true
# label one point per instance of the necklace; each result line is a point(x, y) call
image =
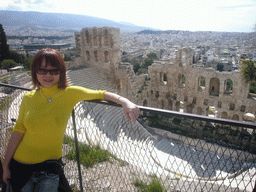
point(50, 99)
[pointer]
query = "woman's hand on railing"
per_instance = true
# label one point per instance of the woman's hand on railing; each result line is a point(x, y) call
point(131, 110)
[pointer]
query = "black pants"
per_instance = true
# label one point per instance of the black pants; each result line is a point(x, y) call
point(20, 173)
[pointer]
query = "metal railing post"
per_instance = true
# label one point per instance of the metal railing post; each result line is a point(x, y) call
point(77, 151)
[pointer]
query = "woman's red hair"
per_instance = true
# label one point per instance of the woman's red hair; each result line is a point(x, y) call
point(52, 58)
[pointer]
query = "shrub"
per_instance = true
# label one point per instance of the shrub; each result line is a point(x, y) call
point(7, 64)
point(154, 186)
point(89, 155)
point(248, 71)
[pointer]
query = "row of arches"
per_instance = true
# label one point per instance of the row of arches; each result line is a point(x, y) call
point(230, 105)
point(180, 107)
point(98, 38)
point(214, 84)
point(96, 57)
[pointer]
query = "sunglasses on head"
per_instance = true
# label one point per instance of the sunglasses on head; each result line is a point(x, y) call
point(43, 71)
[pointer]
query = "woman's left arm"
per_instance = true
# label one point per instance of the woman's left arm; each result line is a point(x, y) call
point(131, 110)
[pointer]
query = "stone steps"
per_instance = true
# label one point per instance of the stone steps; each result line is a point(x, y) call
point(90, 79)
point(109, 120)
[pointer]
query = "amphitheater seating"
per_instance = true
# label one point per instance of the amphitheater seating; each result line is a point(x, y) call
point(106, 126)
point(90, 79)
point(100, 123)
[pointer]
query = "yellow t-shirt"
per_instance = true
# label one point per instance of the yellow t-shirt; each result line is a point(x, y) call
point(44, 124)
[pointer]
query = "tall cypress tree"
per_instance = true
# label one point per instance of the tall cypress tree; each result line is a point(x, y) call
point(4, 48)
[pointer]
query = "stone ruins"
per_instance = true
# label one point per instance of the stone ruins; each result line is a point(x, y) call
point(180, 85)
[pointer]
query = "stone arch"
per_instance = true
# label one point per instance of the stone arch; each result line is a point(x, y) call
point(181, 106)
point(177, 106)
point(163, 78)
point(157, 94)
point(189, 108)
point(162, 104)
point(201, 83)
point(111, 42)
point(214, 86)
point(106, 56)
point(88, 57)
point(96, 56)
point(228, 87)
point(170, 104)
point(235, 117)
point(194, 59)
point(118, 85)
point(167, 95)
point(232, 106)
point(183, 58)
point(252, 88)
point(182, 80)
point(224, 115)
point(211, 111)
point(199, 111)
point(105, 37)
point(100, 38)
point(95, 41)
point(145, 103)
point(87, 37)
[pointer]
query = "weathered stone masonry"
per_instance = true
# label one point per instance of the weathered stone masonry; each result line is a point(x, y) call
point(100, 48)
point(179, 85)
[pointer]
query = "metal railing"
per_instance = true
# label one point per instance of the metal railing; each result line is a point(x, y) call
point(168, 150)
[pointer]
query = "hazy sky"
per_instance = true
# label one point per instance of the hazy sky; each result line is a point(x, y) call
point(192, 15)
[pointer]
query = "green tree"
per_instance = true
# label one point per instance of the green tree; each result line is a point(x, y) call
point(18, 58)
point(136, 66)
point(67, 57)
point(126, 60)
point(229, 85)
point(152, 56)
point(27, 63)
point(7, 64)
point(147, 63)
point(141, 71)
point(4, 48)
point(248, 71)
point(220, 67)
point(253, 87)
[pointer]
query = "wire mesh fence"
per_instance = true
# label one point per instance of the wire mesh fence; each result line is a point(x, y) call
point(162, 151)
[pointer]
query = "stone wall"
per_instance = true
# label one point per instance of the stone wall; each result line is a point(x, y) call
point(193, 89)
point(179, 85)
point(100, 48)
point(76, 64)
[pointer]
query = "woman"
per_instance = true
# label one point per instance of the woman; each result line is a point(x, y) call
point(35, 146)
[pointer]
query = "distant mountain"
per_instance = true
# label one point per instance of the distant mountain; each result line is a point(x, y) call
point(68, 21)
point(128, 24)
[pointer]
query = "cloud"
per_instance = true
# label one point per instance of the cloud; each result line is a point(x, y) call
point(34, 2)
point(13, 8)
point(25, 5)
point(17, 2)
point(220, 15)
point(39, 2)
point(237, 6)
